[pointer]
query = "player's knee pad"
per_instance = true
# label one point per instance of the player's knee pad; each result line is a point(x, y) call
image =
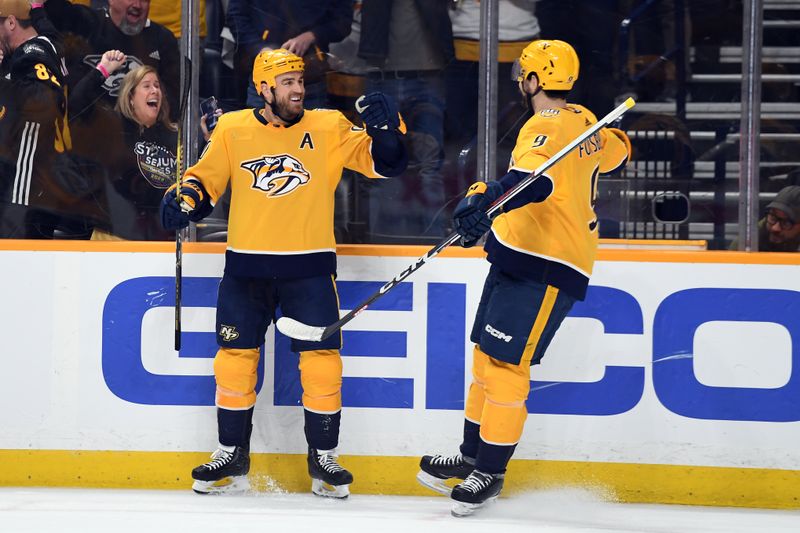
point(504, 411)
point(235, 372)
point(321, 378)
point(476, 396)
point(506, 382)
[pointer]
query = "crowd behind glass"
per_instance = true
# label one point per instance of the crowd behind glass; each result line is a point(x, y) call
point(424, 54)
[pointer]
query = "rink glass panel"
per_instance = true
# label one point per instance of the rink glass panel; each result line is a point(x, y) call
point(682, 61)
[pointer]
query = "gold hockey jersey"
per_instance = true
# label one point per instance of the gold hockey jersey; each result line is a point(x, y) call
point(282, 183)
point(555, 241)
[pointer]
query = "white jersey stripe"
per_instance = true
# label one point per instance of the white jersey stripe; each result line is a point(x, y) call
point(22, 160)
point(272, 252)
point(30, 164)
point(542, 256)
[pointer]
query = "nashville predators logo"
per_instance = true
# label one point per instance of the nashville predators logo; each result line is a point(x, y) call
point(113, 83)
point(2, 112)
point(228, 333)
point(277, 175)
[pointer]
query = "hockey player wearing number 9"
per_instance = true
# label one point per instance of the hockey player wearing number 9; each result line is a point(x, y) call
point(541, 248)
point(283, 164)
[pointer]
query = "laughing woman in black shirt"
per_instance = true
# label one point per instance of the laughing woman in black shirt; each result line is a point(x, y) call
point(126, 200)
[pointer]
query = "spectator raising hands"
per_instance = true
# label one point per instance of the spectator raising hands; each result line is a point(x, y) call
point(111, 61)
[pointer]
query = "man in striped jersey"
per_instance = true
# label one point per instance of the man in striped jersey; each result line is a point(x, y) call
point(33, 125)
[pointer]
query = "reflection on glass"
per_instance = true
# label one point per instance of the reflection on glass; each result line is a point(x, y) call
point(681, 60)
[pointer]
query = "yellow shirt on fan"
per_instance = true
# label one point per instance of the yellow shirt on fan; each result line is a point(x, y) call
point(555, 241)
point(168, 13)
point(282, 183)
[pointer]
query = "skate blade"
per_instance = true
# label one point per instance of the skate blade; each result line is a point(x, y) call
point(320, 488)
point(462, 509)
point(226, 485)
point(433, 483)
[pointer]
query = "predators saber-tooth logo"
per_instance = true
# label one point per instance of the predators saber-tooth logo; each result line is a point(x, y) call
point(113, 83)
point(277, 175)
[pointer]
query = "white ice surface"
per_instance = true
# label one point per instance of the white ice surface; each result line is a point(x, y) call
point(563, 511)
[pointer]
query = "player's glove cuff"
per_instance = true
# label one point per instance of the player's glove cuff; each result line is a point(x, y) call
point(172, 216)
point(489, 191)
point(470, 218)
point(191, 204)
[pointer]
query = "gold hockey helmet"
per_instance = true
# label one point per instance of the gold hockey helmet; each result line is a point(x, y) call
point(270, 64)
point(555, 64)
point(19, 8)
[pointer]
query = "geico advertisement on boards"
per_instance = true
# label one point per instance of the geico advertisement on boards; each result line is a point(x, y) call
point(664, 363)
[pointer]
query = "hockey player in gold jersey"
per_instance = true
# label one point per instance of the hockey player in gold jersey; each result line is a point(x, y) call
point(541, 249)
point(283, 164)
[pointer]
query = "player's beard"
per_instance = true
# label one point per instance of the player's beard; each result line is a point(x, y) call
point(131, 29)
point(527, 98)
point(284, 106)
point(280, 108)
point(527, 102)
point(5, 46)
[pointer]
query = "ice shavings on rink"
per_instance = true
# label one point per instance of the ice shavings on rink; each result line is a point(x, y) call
point(24, 510)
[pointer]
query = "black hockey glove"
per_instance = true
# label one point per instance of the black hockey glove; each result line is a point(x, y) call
point(378, 111)
point(193, 205)
point(469, 217)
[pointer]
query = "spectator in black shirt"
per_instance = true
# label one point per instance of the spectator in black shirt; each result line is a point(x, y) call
point(124, 26)
point(127, 197)
point(34, 131)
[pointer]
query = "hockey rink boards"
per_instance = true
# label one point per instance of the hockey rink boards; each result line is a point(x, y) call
point(676, 381)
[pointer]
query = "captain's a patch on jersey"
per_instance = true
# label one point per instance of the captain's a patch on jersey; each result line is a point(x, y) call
point(277, 175)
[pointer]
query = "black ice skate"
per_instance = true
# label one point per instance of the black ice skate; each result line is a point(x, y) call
point(328, 478)
point(474, 492)
point(436, 469)
point(226, 473)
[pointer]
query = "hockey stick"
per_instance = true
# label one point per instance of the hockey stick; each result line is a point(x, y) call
point(187, 72)
point(297, 330)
